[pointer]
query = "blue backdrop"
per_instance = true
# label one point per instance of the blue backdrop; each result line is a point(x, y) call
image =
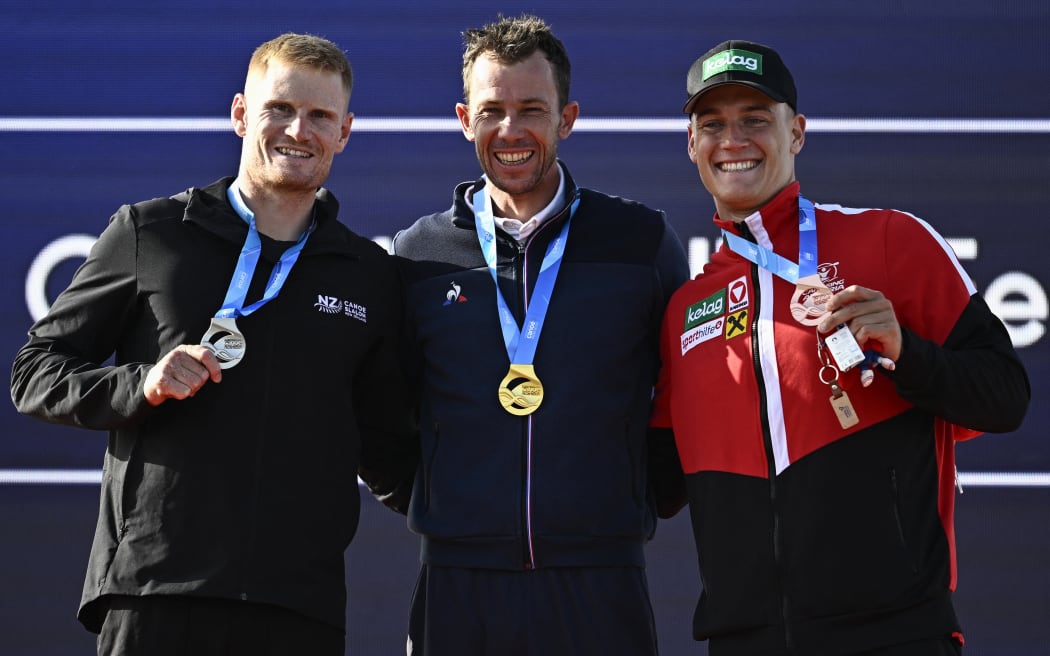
point(938, 108)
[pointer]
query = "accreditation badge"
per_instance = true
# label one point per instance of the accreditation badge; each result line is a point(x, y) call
point(225, 341)
point(810, 300)
point(521, 392)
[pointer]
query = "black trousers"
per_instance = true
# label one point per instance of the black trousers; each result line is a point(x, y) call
point(162, 625)
point(545, 612)
point(945, 646)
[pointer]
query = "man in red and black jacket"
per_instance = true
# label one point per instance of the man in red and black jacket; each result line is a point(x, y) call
point(837, 373)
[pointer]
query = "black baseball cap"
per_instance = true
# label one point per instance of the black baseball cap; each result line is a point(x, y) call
point(741, 62)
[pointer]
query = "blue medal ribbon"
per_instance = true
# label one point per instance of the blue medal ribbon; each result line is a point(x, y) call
point(777, 264)
point(237, 293)
point(521, 343)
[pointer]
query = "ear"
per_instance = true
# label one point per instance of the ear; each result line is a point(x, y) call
point(569, 114)
point(798, 133)
point(238, 110)
point(463, 112)
point(690, 147)
point(344, 132)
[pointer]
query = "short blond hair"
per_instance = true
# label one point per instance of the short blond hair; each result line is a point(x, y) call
point(303, 50)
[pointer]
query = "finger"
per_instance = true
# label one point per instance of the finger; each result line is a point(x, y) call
point(842, 315)
point(179, 374)
point(206, 357)
point(850, 295)
point(854, 302)
point(162, 384)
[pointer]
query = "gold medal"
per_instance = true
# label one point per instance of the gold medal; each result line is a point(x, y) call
point(810, 300)
point(521, 392)
point(225, 341)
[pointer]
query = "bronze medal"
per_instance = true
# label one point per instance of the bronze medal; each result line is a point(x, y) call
point(809, 302)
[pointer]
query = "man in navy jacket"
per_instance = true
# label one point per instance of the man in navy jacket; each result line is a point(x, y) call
point(534, 306)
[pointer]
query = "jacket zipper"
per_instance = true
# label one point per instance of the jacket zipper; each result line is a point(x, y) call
point(767, 440)
point(530, 554)
point(895, 492)
point(253, 515)
point(523, 255)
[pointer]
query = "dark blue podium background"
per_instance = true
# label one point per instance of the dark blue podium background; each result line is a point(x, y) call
point(938, 108)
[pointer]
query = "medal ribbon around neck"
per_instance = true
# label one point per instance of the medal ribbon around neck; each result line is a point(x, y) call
point(222, 336)
point(520, 392)
point(811, 295)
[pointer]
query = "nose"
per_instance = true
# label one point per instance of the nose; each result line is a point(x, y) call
point(733, 135)
point(298, 128)
point(511, 125)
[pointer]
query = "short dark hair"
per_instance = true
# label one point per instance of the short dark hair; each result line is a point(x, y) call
point(512, 40)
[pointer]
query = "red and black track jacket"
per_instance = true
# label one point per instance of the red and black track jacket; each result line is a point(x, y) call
point(814, 539)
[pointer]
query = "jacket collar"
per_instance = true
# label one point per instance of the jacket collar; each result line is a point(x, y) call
point(209, 208)
point(777, 218)
point(463, 207)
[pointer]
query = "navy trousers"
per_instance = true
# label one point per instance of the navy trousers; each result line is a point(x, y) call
point(563, 611)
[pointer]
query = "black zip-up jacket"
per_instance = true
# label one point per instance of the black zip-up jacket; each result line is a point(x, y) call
point(570, 484)
point(248, 490)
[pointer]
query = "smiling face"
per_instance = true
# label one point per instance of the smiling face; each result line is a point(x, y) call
point(513, 118)
point(744, 145)
point(293, 121)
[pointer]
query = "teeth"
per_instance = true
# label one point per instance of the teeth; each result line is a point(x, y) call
point(291, 152)
point(738, 166)
point(514, 158)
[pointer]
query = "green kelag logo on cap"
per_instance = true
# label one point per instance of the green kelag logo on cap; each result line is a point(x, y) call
point(733, 60)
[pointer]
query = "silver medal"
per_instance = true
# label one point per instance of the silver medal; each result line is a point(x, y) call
point(225, 341)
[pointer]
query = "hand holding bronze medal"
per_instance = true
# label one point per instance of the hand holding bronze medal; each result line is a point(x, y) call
point(809, 304)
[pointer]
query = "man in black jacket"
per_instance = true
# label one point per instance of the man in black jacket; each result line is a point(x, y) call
point(254, 369)
point(534, 306)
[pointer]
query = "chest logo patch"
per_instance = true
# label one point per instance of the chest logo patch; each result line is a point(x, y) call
point(736, 324)
point(703, 311)
point(335, 306)
point(737, 293)
point(829, 275)
point(702, 333)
